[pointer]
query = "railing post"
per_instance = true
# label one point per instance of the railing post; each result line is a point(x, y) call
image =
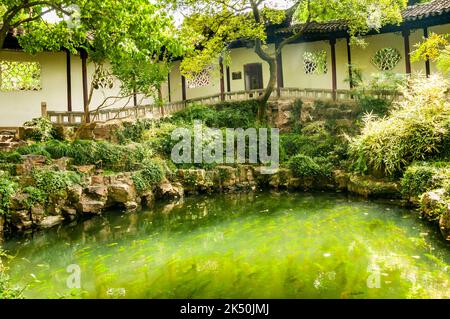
point(44, 112)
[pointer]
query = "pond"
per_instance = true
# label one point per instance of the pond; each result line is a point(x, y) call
point(263, 245)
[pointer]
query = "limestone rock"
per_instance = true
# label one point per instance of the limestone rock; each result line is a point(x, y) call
point(170, 191)
point(444, 224)
point(90, 206)
point(21, 220)
point(51, 221)
point(121, 193)
point(37, 214)
point(433, 204)
point(85, 169)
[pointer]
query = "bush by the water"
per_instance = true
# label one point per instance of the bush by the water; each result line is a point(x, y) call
point(149, 176)
point(102, 154)
point(421, 177)
point(7, 189)
point(304, 166)
point(416, 129)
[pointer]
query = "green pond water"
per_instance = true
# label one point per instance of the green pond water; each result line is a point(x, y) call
point(267, 245)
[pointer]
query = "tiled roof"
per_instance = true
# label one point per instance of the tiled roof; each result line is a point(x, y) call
point(411, 13)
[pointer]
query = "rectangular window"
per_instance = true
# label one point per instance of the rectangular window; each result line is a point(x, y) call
point(20, 76)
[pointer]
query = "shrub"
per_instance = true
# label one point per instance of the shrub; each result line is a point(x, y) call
point(378, 106)
point(7, 189)
point(223, 115)
point(10, 157)
point(34, 149)
point(415, 130)
point(133, 132)
point(149, 176)
point(304, 166)
point(54, 183)
point(35, 196)
point(418, 179)
point(39, 130)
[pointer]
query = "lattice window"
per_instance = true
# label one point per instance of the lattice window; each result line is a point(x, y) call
point(20, 76)
point(315, 62)
point(202, 79)
point(386, 59)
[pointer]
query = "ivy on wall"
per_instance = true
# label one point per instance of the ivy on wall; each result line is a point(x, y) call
point(315, 62)
point(20, 76)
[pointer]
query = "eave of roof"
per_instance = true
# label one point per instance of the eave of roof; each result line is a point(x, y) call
point(410, 14)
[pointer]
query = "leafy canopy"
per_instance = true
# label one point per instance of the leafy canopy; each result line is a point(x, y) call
point(212, 25)
point(136, 37)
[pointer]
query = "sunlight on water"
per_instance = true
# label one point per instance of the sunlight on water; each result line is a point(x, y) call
point(269, 245)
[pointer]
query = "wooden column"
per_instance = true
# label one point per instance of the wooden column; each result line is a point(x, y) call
point(280, 77)
point(87, 117)
point(333, 67)
point(69, 81)
point(168, 88)
point(406, 34)
point(228, 79)
point(222, 80)
point(349, 62)
point(183, 88)
point(427, 62)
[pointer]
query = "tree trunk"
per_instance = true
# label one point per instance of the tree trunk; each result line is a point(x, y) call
point(262, 101)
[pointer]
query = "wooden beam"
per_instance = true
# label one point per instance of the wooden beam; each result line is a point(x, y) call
point(87, 117)
point(333, 67)
point(69, 81)
point(183, 88)
point(427, 62)
point(406, 33)
point(228, 79)
point(222, 80)
point(349, 62)
point(280, 77)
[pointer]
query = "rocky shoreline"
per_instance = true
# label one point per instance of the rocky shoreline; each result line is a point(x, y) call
point(101, 192)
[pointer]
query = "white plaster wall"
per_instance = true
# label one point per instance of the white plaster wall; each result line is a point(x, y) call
point(21, 106)
point(440, 29)
point(293, 67)
point(243, 56)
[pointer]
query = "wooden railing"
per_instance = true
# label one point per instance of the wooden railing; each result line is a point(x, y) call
point(160, 111)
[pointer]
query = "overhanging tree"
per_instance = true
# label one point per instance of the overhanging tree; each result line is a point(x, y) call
point(213, 25)
point(136, 38)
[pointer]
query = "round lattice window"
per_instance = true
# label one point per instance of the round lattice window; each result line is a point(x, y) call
point(386, 59)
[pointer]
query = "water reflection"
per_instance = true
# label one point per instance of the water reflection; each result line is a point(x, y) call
point(259, 245)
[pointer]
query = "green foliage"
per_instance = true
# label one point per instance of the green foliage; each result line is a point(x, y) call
point(7, 190)
point(149, 176)
point(39, 130)
point(436, 48)
point(51, 183)
point(304, 166)
point(11, 157)
point(374, 105)
point(223, 115)
point(121, 35)
point(134, 131)
point(418, 179)
point(297, 107)
point(34, 196)
point(415, 130)
point(34, 149)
